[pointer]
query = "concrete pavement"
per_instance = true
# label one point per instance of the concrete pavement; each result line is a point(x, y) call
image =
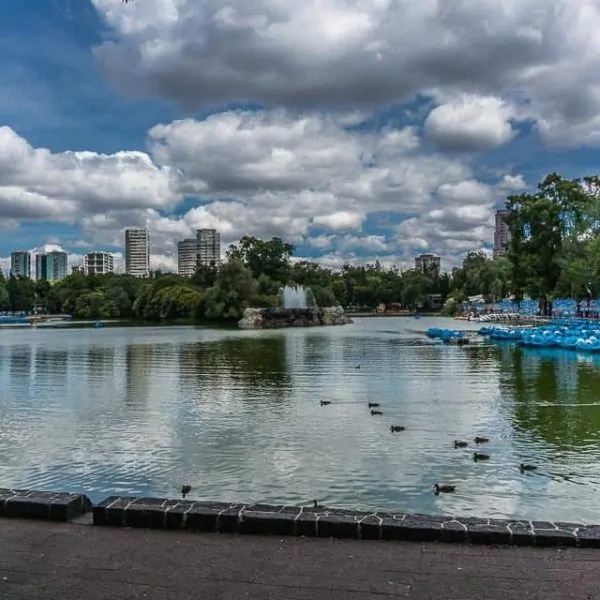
point(64, 561)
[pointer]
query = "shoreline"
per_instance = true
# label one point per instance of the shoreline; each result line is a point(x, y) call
point(293, 521)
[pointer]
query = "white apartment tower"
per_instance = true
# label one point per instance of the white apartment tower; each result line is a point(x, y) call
point(137, 252)
point(99, 263)
point(187, 257)
point(209, 247)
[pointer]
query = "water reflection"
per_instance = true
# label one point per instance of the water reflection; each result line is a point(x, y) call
point(20, 360)
point(100, 362)
point(138, 367)
point(237, 415)
point(257, 367)
point(555, 396)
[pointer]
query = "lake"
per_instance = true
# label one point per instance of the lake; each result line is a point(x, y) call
point(237, 415)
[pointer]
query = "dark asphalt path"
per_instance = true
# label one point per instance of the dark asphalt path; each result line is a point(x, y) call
point(82, 562)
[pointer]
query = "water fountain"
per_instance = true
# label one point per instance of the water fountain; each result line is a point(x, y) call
point(296, 307)
point(296, 296)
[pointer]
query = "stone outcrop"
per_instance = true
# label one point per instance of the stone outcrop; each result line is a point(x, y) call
point(268, 318)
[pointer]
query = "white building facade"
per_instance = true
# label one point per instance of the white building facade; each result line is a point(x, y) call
point(137, 252)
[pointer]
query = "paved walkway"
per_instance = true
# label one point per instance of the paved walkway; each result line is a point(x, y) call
point(82, 562)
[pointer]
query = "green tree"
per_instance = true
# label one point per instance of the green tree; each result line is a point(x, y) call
point(268, 257)
point(232, 292)
point(21, 292)
point(545, 227)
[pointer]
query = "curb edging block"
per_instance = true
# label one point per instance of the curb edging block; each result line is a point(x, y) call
point(263, 519)
point(42, 505)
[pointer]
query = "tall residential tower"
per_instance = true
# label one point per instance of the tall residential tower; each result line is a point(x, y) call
point(209, 247)
point(501, 233)
point(20, 264)
point(51, 266)
point(187, 257)
point(98, 263)
point(428, 263)
point(137, 252)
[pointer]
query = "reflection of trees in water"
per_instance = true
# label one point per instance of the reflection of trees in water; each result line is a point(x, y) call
point(251, 365)
point(481, 357)
point(20, 358)
point(551, 391)
point(99, 361)
point(50, 363)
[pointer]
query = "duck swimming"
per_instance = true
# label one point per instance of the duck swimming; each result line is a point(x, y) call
point(523, 467)
point(394, 428)
point(185, 490)
point(325, 402)
point(443, 488)
point(480, 456)
point(376, 412)
point(374, 404)
point(481, 440)
point(459, 444)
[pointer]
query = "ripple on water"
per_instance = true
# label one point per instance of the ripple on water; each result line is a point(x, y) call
point(237, 416)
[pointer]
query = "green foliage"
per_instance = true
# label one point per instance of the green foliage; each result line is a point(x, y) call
point(553, 248)
point(232, 292)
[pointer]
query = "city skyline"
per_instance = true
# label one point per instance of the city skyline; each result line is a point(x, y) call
point(385, 144)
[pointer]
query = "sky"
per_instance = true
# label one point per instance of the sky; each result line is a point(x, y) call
point(355, 129)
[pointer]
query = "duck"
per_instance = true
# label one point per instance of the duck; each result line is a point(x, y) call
point(523, 467)
point(185, 490)
point(480, 456)
point(325, 402)
point(376, 412)
point(459, 444)
point(443, 488)
point(394, 428)
point(357, 367)
point(481, 440)
point(374, 404)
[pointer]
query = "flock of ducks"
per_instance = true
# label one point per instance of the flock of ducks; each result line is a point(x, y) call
point(441, 488)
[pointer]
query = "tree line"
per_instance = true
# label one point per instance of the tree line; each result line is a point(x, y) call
point(252, 275)
point(554, 252)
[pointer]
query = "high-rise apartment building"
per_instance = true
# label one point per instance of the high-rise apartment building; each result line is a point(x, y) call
point(137, 252)
point(428, 263)
point(51, 266)
point(187, 257)
point(20, 264)
point(209, 247)
point(99, 263)
point(501, 233)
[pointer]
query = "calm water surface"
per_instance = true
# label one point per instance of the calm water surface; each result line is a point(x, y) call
point(236, 414)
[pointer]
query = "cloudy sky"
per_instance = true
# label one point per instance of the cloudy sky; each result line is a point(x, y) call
point(353, 128)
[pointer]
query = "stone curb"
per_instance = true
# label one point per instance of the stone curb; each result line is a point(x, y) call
point(159, 513)
point(48, 506)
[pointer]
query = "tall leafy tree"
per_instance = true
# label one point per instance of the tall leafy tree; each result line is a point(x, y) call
point(544, 226)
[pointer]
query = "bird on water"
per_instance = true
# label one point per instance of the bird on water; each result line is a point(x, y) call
point(481, 440)
point(523, 467)
point(459, 444)
point(376, 412)
point(443, 488)
point(185, 490)
point(325, 402)
point(374, 404)
point(394, 428)
point(480, 456)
